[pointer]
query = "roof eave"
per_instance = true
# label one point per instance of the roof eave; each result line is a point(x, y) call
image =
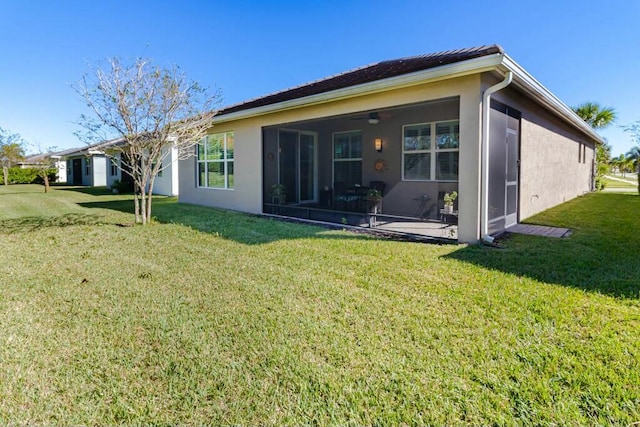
point(532, 87)
point(497, 61)
point(458, 69)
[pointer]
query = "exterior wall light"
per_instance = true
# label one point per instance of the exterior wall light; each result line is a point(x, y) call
point(378, 144)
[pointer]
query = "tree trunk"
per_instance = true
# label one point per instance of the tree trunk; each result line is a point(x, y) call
point(150, 198)
point(143, 205)
point(136, 202)
point(46, 182)
point(5, 173)
point(149, 207)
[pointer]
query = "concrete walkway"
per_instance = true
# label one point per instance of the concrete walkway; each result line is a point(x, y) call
point(620, 190)
point(539, 230)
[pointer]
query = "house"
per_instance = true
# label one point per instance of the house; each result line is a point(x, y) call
point(93, 166)
point(471, 121)
point(57, 162)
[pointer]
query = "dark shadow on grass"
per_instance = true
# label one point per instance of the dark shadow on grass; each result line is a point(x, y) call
point(602, 255)
point(34, 223)
point(93, 191)
point(240, 227)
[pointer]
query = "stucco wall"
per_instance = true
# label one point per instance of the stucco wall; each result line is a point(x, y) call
point(551, 170)
point(99, 171)
point(118, 176)
point(167, 183)
point(247, 193)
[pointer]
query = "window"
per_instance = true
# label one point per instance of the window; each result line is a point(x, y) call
point(582, 153)
point(347, 157)
point(114, 167)
point(430, 151)
point(69, 168)
point(215, 161)
point(87, 167)
point(153, 166)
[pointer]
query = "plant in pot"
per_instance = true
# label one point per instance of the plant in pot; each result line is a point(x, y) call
point(448, 201)
point(374, 197)
point(278, 194)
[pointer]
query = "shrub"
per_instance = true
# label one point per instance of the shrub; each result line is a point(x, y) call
point(53, 175)
point(22, 175)
point(29, 176)
point(122, 186)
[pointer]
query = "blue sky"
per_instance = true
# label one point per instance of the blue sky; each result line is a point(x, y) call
point(580, 50)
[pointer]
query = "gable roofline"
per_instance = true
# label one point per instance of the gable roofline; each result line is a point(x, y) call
point(93, 149)
point(536, 90)
point(431, 68)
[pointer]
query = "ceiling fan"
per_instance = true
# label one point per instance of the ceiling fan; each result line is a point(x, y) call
point(373, 118)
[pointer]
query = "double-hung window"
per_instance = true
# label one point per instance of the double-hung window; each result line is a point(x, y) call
point(430, 151)
point(215, 161)
point(114, 166)
point(347, 157)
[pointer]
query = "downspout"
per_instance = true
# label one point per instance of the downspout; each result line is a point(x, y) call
point(486, 100)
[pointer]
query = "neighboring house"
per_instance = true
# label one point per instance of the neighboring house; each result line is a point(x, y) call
point(469, 120)
point(88, 166)
point(92, 166)
point(59, 164)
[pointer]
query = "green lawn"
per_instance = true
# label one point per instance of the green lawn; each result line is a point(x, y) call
point(617, 183)
point(214, 317)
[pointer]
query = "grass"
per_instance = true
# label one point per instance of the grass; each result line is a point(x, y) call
point(617, 183)
point(215, 317)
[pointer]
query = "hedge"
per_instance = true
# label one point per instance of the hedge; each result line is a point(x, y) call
point(29, 176)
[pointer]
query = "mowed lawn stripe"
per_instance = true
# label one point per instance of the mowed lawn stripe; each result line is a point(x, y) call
point(215, 317)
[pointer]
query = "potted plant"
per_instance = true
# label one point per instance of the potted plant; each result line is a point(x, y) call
point(448, 201)
point(374, 197)
point(278, 194)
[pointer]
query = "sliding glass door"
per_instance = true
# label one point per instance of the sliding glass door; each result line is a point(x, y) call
point(297, 165)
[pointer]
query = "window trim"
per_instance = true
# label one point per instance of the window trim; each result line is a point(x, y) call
point(113, 166)
point(349, 159)
point(433, 151)
point(225, 161)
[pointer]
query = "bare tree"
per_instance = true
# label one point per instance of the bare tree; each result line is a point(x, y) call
point(44, 162)
point(145, 111)
point(11, 151)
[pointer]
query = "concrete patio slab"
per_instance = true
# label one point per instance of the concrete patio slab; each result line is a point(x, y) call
point(539, 230)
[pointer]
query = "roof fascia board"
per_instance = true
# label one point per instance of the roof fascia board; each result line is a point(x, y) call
point(543, 95)
point(458, 69)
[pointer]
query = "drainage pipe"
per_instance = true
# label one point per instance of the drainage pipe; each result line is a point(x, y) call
point(486, 101)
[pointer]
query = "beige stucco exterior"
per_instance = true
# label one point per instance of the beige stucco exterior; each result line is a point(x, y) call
point(550, 169)
point(247, 193)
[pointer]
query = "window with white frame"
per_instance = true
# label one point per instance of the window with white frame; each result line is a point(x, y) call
point(87, 166)
point(430, 151)
point(215, 161)
point(347, 158)
point(113, 166)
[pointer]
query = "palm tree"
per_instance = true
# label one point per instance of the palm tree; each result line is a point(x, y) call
point(633, 156)
point(10, 154)
point(598, 117)
point(633, 160)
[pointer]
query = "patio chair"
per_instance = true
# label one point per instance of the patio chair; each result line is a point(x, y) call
point(342, 197)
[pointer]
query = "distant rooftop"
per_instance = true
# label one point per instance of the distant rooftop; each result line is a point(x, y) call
point(366, 74)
